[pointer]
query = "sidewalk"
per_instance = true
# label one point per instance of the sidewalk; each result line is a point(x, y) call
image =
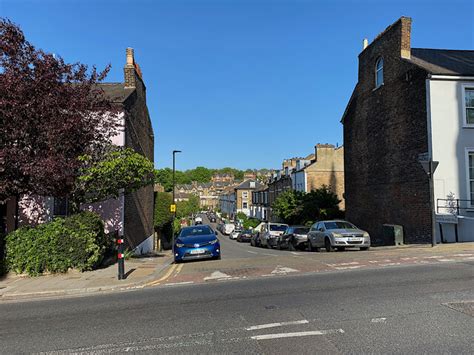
point(139, 272)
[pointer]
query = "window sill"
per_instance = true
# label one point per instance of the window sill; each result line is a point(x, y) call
point(378, 87)
point(465, 125)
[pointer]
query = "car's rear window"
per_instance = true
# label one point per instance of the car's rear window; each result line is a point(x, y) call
point(278, 227)
point(195, 231)
point(301, 230)
point(338, 225)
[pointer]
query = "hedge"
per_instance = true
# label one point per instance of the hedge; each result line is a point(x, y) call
point(77, 242)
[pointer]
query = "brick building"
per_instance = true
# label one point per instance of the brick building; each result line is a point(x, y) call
point(393, 117)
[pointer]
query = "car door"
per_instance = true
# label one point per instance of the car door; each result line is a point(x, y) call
point(317, 234)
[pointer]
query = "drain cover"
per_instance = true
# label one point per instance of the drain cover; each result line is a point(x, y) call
point(466, 307)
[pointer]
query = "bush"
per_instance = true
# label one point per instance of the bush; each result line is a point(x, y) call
point(77, 242)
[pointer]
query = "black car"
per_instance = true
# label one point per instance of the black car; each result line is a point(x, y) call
point(212, 219)
point(255, 240)
point(245, 236)
point(295, 237)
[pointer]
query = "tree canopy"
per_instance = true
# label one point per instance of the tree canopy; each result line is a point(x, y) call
point(51, 112)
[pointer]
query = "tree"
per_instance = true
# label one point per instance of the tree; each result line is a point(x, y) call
point(118, 170)
point(163, 216)
point(289, 206)
point(51, 112)
point(186, 208)
point(321, 203)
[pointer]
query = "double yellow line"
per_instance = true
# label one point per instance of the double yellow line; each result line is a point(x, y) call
point(171, 269)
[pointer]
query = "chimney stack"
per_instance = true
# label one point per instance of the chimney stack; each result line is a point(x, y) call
point(132, 71)
point(366, 43)
point(405, 35)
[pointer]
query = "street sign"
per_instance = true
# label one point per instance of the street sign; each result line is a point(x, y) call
point(173, 208)
point(426, 166)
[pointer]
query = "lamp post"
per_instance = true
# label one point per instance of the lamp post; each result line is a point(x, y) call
point(174, 200)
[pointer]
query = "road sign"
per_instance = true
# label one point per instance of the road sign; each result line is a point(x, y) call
point(426, 166)
point(173, 208)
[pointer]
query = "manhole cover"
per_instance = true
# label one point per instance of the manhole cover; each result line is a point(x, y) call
point(271, 307)
point(466, 307)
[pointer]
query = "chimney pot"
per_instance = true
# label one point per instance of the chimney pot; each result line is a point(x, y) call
point(130, 59)
point(366, 43)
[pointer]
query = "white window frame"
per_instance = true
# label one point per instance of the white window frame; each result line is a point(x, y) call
point(245, 194)
point(377, 71)
point(465, 87)
point(245, 205)
point(469, 151)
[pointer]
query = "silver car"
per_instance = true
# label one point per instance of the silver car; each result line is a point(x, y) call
point(337, 234)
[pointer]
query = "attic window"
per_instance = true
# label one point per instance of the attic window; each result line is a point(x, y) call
point(379, 72)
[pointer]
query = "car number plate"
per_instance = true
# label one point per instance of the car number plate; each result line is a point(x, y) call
point(354, 239)
point(197, 251)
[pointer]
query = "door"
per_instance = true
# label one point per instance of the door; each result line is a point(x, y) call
point(320, 234)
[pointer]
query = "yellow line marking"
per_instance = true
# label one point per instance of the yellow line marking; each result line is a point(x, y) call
point(165, 276)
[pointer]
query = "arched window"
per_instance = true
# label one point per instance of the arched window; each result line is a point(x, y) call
point(379, 72)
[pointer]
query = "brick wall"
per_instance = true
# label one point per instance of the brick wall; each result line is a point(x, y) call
point(384, 131)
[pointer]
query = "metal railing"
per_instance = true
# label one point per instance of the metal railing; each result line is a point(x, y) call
point(453, 206)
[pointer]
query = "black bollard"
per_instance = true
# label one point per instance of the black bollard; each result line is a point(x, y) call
point(121, 260)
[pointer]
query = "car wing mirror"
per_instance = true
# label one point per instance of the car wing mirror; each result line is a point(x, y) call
point(321, 229)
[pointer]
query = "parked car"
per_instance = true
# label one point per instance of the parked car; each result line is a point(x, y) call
point(295, 237)
point(235, 233)
point(219, 227)
point(196, 242)
point(212, 219)
point(245, 236)
point(269, 233)
point(198, 220)
point(255, 240)
point(337, 234)
point(227, 228)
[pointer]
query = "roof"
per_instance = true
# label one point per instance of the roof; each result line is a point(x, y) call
point(246, 185)
point(444, 61)
point(116, 92)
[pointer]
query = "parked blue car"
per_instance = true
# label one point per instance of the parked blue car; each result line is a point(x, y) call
point(196, 242)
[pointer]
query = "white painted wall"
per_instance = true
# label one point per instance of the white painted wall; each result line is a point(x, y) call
point(449, 139)
point(299, 181)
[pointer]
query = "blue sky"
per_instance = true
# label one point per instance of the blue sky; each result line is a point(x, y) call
point(237, 83)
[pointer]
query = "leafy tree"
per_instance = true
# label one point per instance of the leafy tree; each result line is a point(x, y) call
point(242, 216)
point(187, 208)
point(118, 170)
point(51, 112)
point(163, 216)
point(289, 206)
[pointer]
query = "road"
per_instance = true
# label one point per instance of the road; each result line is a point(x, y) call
point(422, 309)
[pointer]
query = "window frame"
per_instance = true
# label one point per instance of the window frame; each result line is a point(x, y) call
point(379, 59)
point(465, 87)
point(469, 151)
point(65, 201)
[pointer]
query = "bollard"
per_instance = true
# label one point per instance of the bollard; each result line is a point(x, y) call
point(121, 260)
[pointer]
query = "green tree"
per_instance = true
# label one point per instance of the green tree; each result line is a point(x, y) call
point(320, 204)
point(118, 169)
point(163, 216)
point(289, 206)
point(186, 208)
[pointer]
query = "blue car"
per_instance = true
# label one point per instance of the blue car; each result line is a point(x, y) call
point(196, 242)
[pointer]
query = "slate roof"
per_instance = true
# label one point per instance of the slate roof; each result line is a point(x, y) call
point(116, 91)
point(246, 185)
point(444, 61)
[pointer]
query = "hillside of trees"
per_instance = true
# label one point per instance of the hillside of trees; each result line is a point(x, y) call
point(199, 174)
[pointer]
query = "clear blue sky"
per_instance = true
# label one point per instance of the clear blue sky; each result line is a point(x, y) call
point(237, 83)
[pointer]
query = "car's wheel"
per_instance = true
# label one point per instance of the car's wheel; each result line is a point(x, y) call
point(365, 248)
point(291, 245)
point(327, 245)
point(310, 246)
point(341, 248)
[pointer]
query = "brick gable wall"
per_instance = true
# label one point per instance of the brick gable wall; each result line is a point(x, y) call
point(384, 131)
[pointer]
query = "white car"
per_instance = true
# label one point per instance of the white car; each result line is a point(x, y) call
point(269, 234)
point(228, 228)
point(198, 220)
point(235, 234)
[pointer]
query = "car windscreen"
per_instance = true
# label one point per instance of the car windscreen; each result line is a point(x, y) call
point(278, 227)
point(339, 225)
point(247, 231)
point(301, 231)
point(195, 231)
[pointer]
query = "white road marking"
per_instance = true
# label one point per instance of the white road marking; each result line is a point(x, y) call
point(343, 264)
point(463, 254)
point(179, 283)
point(252, 252)
point(297, 334)
point(390, 264)
point(295, 253)
point(272, 325)
point(281, 270)
point(378, 320)
point(348, 267)
point(217, 275)
point(446, 260)
point(269, 254)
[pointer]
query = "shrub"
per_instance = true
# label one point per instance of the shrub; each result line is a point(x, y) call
point(76, 242)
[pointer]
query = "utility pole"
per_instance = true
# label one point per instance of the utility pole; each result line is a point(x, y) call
point(173, 208)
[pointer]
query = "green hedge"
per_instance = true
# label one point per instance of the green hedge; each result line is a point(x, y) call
point(77, 242)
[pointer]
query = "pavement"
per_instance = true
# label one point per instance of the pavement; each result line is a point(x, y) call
point(415, 309)
point(239, 262)
point(139, 272)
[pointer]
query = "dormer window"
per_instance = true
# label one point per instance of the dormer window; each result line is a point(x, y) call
point(379, 72)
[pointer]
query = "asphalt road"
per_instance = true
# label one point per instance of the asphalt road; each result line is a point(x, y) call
point(411, 309)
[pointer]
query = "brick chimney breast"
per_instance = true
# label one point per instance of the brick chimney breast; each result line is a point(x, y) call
point(129, 70)
point(405, 35)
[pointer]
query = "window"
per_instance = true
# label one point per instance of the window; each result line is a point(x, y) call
point(245, 194)
point(470, 182)
point(469, 106)
point(379, 72)
point(244, 205)
point(60, 206)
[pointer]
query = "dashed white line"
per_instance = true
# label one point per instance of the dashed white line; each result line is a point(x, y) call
point(348, 267)
point(297, 334)
point(252, 252)
point(179, 283)
point(378, 320)
point(279, 324)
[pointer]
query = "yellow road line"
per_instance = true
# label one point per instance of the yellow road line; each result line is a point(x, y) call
point(165, 276)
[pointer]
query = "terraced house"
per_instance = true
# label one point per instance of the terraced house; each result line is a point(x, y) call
point(411, 105)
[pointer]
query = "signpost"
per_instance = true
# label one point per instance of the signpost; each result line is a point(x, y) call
point(429, 166)
point(173, 208)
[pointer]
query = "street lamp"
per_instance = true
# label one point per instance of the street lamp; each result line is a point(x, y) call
point(174, 200)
